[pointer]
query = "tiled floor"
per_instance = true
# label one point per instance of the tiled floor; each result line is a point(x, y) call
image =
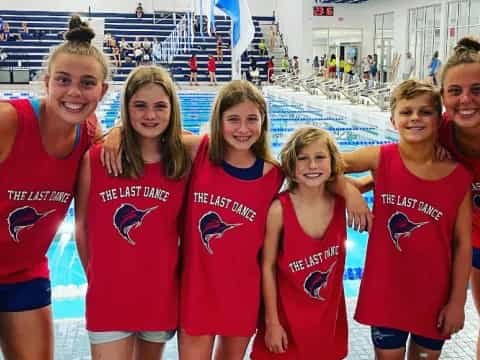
point(72, 342)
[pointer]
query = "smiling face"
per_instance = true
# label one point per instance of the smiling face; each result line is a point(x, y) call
point(313, 165)
point(149, 111)
point(461, 94)
point(74, 87)
point(416, 120)
point(242, 126)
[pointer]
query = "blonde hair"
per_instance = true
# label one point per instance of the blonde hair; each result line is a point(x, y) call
point(410, 89)
point(78, 42)
point(299, 140)
point(467, 51)
point(232, 94)
point(174, 154)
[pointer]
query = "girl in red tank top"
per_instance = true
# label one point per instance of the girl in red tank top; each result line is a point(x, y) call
point(460, 132)
point(41, 145)
point(417, 264)
point(233, 181)
point(135, 217)
point(304, 257)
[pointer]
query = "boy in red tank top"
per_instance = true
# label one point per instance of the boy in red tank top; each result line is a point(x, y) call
point(419, 250)
point(304, 257)
point(42, 142)
point(135, 217)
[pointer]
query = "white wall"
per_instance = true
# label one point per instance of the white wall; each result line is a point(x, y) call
point(257, 7)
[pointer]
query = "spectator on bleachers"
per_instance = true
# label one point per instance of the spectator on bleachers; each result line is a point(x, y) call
point(262, 48)
point(124, 48)
point(106, 39)
point(138, 55)
point(116, 56)
point(219, 48)
point(193, 65)
point(6, 31)
point(24, 32)
point(137, 44)
point(212, 68)
point(272, 37)
point(147, 46)
point(139, 11)
point(1, 29)
point(112, 42)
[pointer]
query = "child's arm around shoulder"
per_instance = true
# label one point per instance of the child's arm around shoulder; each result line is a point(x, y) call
point(452, 316)
point(8, 129)
point(275, 336)
point(81, 208)
point(363, 159)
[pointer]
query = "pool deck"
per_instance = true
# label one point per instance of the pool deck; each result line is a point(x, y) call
point(72, 342)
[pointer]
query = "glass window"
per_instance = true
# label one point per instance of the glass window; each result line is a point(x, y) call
point(463, 14)
point(452, 13)
point(429, 17)
point(437, 13)
point(475, 13)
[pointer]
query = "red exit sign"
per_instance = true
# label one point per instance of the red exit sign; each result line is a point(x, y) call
point(323, 11)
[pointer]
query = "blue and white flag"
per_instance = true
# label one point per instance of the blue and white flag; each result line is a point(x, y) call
point(243, 30)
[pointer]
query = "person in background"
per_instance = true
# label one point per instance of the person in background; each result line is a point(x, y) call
point(193, 65)
point(408, 68)
point(139, 11)
point(219, 44)
point(212, 68)
point(262, 48)
point(434, 68)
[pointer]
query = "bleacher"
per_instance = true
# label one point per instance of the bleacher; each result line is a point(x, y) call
point(46, 28)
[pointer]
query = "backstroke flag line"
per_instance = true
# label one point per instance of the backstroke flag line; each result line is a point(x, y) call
point(243, 30)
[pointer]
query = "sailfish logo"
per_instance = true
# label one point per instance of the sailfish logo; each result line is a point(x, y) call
point(400, 225)
point(212, 226)
point(317, 280)
point(127, 217)
point(476, 200)
point(23, 218)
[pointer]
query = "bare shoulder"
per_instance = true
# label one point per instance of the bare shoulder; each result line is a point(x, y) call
point(192, 143)
point(268, 166)
point(8, 128)
point(8, 116)
point(275, 211)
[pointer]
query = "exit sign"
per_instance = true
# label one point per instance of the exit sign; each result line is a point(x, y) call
point(323, 11)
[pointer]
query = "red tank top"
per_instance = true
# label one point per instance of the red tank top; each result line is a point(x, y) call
point(35, 192)
point(223, 234)
point(447, 139)
point(311, 302)
point(133, 250)
point(406, 280)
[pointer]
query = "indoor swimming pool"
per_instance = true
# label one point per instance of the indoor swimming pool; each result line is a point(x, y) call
point(68, 280)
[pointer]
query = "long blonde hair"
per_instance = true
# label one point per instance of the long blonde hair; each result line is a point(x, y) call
point(234, 93)
point(174, 154)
